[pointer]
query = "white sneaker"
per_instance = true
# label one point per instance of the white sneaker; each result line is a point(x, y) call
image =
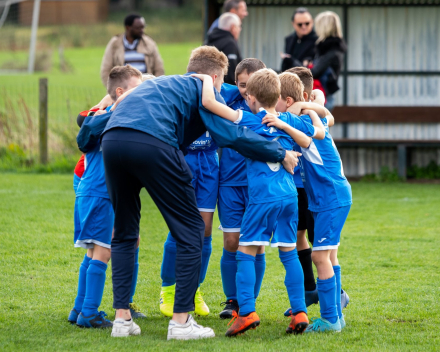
point(188, 331)
point(123, 328)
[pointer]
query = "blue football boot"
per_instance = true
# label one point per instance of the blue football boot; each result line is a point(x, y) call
point(342, 321)
point(96, 321)
point(344, 299)
point(311, 298)
point(323, 325)
point(73, 316)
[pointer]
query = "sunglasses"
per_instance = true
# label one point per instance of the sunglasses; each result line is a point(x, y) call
point(303, 24)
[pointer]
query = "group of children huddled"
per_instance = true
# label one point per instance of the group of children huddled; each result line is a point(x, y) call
point(259, 204)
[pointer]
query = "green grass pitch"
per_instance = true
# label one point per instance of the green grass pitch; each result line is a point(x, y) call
point(389, 257)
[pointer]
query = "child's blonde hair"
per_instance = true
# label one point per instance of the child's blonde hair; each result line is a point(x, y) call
point(327, 24)
point(291, 86)
point(208, 60)
point(265, 86)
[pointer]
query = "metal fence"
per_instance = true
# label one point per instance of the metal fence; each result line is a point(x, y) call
point(19, 115)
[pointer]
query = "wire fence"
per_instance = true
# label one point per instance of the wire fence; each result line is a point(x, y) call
point(19, 116)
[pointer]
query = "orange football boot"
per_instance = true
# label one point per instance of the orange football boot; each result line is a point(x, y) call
point(298, 323)
point(242, 324)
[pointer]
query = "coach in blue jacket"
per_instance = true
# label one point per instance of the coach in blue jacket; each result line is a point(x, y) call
point(142, 147)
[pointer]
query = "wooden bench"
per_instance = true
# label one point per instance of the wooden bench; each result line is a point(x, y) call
point(375, 127)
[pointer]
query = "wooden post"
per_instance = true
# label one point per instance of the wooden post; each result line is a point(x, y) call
point(43, 126)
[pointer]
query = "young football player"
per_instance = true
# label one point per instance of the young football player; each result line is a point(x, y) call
point(94, 220)
point(330, 199)
point(305, 216)
point(202, 159)
point(272, 197)
point(233, 194)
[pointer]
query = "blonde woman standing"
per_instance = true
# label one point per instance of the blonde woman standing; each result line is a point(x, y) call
point(330, 50)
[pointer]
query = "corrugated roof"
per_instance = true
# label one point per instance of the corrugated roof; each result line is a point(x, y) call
point(338, 2)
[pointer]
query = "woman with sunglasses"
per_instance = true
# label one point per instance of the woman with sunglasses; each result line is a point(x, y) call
point(300, 45)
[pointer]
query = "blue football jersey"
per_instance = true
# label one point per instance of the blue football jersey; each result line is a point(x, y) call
point(232, 163)
point(267, 181)
point(323, 174)
point(204, 143)
point(92, 182)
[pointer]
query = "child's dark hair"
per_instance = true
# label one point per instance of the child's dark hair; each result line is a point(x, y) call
point(248, 65)
point(306, 77)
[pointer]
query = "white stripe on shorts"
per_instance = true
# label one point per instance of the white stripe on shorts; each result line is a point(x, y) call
point(324, 248)
point(231, 229)
point(254, 243)
point(283, 244)
point(206, 210)
point(90, 244)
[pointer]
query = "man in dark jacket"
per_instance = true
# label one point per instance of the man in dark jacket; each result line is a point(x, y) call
point(224, 38)
point(300, 45)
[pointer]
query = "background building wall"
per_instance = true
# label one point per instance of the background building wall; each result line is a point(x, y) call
point(65, 12)
point(379, 39)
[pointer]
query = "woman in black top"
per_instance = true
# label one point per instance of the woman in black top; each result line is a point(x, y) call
point(330, 51)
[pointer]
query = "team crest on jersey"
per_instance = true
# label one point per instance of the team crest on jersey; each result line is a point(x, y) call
point(271, 130)
point(274, 166)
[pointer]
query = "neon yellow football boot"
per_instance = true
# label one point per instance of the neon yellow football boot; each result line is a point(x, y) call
point(201, 308)
point(167, 300)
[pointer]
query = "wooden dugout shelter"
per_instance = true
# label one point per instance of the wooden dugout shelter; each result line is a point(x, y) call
point(388, 107)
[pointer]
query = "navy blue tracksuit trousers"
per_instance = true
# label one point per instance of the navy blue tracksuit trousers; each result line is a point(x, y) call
point(134, 160)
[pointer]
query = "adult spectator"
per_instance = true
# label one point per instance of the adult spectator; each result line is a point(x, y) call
point(237, 7)
point(225, 38)
point(330, 51)
point(133, 47)
point(299, 47)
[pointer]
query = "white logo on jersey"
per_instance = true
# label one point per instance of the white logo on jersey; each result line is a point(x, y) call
point(274, 166)
point(322, 240)
point(271, 130)
point(312, 154)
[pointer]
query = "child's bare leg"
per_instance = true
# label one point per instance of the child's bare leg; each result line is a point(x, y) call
point(334, 257)
point(301, 242)
point(102, 254)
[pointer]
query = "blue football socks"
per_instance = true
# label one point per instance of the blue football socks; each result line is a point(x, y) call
point(228, 268)
point(327, 299)
point(135, 275)
point(79, 300)
point(245, 282)
point(260, 268)
point(94, 287)
point(337, 270)
point(206, 254)
point(168, 269)
point(294, 280)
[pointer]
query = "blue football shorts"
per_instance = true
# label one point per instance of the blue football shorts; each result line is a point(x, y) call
point(328, 227)
point(273, 223)
point(232, 203)
point(205, 170)
point(96, 218)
